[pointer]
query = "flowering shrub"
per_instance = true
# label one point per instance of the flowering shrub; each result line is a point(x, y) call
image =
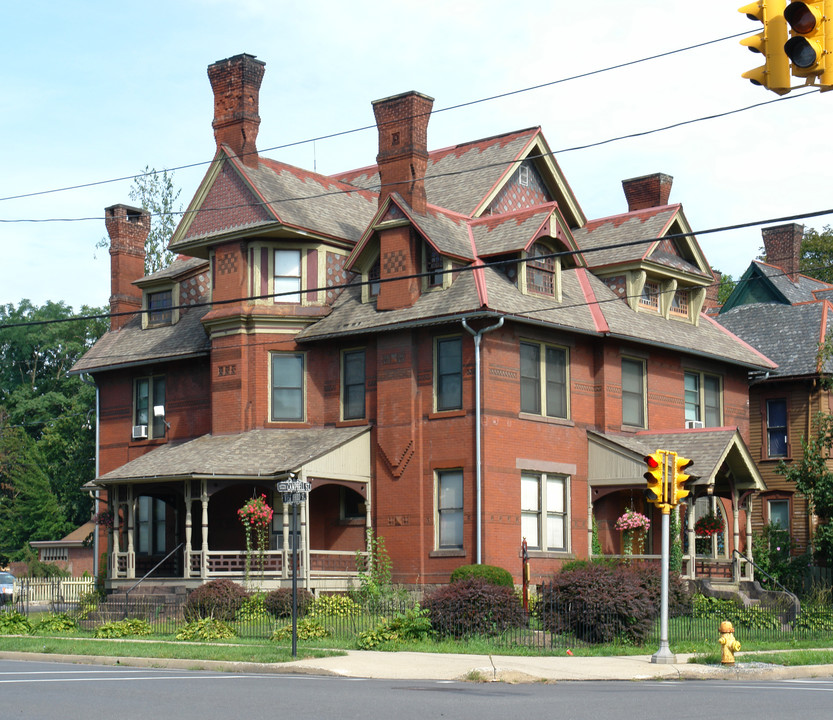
point(256, 515)
point(709, 525)
point(632, 520)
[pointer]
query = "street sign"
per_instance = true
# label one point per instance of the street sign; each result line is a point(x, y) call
point(294, 492)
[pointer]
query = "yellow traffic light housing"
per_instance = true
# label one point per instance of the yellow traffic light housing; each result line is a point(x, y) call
point(656, 492)
point(681, 464)
point(809, 46)
point(774, 74)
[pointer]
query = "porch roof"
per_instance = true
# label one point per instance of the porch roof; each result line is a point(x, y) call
point(718, 453)
point(257, 454)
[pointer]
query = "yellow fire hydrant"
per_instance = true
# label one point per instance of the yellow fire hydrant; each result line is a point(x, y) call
point(730, 645)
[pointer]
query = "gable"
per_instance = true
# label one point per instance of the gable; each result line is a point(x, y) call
point(524, 189)
point(753, 287)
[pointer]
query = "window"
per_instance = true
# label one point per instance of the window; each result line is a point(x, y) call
point(523, 176)
point(352, 384)
point(433, 266)
point(352, 505)
point(160, 306)
point(148, 394)
point(702, 399)
point(779, 513)
point(650, 295)
point(150, 526)
point(373, 276)
point(776, 428)
point(544, 511)
point(449, 373)
point(287, 387)
point(540, 271)
point(287, 286)
point(449, 503)
point(633, 392)
point(543, 379)
point(679, 303)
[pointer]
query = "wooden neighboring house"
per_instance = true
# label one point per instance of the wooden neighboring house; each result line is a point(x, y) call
point(440, 343)
point(73, 553)
point(786, 316)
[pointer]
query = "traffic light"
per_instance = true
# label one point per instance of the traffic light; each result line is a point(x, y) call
point(809, 23)
point(681, 464)
point(774, 74)
point(656, 491)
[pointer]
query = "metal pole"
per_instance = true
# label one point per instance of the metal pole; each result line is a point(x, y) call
point(294, 580)
point(664, 656)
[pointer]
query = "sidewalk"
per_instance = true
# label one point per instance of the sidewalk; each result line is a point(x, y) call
point(467, 668)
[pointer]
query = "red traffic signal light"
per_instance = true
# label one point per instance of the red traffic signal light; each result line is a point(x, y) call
point(656, 491)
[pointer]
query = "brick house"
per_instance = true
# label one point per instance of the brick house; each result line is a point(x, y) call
point(785, 315)
point(441, 343)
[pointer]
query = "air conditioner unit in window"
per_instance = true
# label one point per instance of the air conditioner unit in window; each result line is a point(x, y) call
point(693, 424)
point(140, 432)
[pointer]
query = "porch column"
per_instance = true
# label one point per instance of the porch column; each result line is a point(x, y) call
point(287, 542)
point(692, 549)
point(204, 548)
point(735, 531)
point(750, 568)
point(186, 571)
point(114, 533)
point(131, 528)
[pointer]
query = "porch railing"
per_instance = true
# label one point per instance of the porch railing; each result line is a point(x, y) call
point(223, 563)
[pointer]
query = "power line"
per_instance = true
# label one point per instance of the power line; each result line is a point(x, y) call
point(364, 128)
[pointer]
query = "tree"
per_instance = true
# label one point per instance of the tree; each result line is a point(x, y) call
point(38, 396)
point(155, 192)
point(813, 478)
point(725, 287)
point(817, 254)
point(28, 508)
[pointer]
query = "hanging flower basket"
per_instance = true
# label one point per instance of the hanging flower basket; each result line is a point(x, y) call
point(255, 516)
point(632, 520)
point(709, 525)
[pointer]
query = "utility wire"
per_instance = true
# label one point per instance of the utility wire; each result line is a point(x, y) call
point(372, 127)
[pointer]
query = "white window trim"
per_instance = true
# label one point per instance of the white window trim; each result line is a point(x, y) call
point(702, 393)
point(452, 548)
point(540, 545)
point(303, 418)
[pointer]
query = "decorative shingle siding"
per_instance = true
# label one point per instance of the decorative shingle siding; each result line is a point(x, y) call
point(515, 196)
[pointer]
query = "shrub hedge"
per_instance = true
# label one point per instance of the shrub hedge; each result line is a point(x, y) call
point(473, 606)
point(218, 599)
point(490, 573)
point(278, 603)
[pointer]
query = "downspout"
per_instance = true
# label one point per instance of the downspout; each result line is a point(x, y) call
point(478, 410)
point(96, 496)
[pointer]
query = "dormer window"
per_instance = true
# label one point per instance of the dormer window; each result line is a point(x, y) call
point(679, 303)
point(373, 276)
point(160, 306)
point(650, 295)
point(540, 271)
point(287, 285)
point(433, 267)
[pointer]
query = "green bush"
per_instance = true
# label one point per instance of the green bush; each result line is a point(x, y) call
point(599, 604)
point(340, 606)
point(207, 628)
point(123, 628)
point(473, 607)
point(306, 629)
point(278, 603)
point(679, 599)
point(753, 617)
point(490, 573)
point(57, 623)
point(253, 608)
point(411, 626)
point(14, 623)
point(815, 618)
point(219, 599)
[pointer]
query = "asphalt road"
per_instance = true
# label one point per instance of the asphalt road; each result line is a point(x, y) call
point(53, 691)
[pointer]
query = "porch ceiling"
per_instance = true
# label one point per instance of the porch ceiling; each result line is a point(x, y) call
point(257, 454)
point(718, 453)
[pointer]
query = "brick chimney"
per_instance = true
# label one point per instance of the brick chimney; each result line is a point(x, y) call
point(712, 302)
point(236, 85)
point(782, 247)
point(128, 228)
point(647, 191)
point(402, 122)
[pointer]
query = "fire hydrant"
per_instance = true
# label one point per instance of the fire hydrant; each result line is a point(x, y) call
point(730, 645)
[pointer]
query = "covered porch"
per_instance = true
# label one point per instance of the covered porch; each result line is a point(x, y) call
point(726, 479)
point(173, 511)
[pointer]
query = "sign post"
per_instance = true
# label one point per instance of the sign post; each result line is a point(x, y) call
point(294, 492)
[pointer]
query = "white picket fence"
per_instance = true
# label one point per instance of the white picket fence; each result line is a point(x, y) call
point(52, 589)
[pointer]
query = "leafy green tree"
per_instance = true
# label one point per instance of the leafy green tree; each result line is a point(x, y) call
point(813, 478)
point(817, 254)
point(28, 508)
point(39, 396)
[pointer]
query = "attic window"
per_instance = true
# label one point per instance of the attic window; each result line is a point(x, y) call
point(434, 267)
point(373, 276)
point(540, 271)
point(679, 303)
point(160, 308)
point(650, 295)
point(523, 175)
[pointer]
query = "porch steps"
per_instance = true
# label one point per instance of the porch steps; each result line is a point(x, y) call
point(142, 602)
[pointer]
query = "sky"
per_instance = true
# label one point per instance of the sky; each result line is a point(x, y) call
point(96, 91)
